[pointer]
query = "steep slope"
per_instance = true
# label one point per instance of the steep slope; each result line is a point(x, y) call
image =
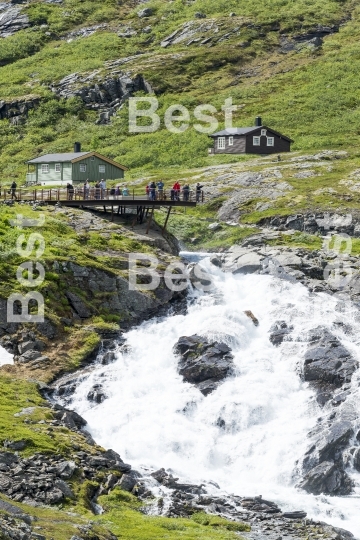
point(296, 64)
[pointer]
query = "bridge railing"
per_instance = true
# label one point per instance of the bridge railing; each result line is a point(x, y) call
point(93, 194)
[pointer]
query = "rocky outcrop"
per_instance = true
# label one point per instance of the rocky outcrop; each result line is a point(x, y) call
point(202, 363)
point(265, 517)
point(105, 95)
point(44, 479)
point(326, 360)
point(12, 19)
point(16, 111)
point(312, 39)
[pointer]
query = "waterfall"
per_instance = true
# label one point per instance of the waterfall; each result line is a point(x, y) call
point(5, 357)
point(250, 435)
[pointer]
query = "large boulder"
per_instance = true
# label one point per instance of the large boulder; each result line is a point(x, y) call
point(327, 478)
point(326, 360)
point(203, 363)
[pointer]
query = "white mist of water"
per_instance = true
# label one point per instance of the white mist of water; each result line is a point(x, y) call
point(154, 419)
point(5, 357)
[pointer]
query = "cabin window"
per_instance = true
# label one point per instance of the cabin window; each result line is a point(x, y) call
point(231, 141)
point(221, 143)
point(92, 158)
point(263, 132)
point(82, 167)
point(270, 141)
point(57, 167)
point(45, 168)
point(256, 141)
point(101, 168)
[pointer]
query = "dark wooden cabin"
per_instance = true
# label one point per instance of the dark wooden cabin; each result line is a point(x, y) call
point(257, 139)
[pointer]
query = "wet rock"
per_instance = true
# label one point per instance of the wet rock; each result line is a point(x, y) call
point(250, 263)
point(203, 363)
point(326, 478)
point(357, 459)
point(295, 515)
point(216, 261)
point(326, 360)
point(279, 332)
point(96, 394)
point(251, 316)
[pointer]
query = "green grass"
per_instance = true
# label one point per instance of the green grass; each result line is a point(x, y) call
point(124, 520)
point(288, 91)
point(18, 394)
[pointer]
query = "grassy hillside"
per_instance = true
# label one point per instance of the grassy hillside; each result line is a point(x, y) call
point(309, 93)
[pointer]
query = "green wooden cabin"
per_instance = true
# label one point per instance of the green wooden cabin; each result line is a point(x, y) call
point(73, 167)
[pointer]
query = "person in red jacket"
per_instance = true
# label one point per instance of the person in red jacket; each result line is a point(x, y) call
point(176, 188)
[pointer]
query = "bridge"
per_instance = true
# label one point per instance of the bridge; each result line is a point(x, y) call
point(108, 199)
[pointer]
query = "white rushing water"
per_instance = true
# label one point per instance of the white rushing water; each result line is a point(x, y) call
point(5, 357)
point(154, 419)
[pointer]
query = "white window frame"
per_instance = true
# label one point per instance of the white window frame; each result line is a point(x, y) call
point(45, 168)
point(263, 132)
point(58, 167)
point(231, 141)
point(102, 169)
point(82, 167)
point(256, 140)
point(221, 143)
point(270, 141)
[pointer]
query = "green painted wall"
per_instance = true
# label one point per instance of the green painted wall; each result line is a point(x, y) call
point(71, 172)
point(92, 170)
point(67, 171)
point(51, 176)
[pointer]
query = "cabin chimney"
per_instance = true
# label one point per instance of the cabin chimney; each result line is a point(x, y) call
point(258, 121)
point(77, 147)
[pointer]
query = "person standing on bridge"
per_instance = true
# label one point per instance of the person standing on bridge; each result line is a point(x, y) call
point(103, 188)
point(13, 190)
point(160, 186)
point(86, 189)
point(198, 192)
point(186, 191)
point(152, 191)
point(70, 191)
point(97, 190)
point(176, 188)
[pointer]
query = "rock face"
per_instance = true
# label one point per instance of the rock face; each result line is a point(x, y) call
point(105, 96)
point(326, 360)
point(16, 111)
point(12, 20)
point(279, 332)
point(203, 363)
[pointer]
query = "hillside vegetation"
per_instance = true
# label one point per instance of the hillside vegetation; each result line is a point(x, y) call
point(310, 93)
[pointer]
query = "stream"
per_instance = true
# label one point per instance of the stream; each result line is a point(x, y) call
point(250, 435)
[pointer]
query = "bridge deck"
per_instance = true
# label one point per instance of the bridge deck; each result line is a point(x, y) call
point(106, 198)
point(102, 197)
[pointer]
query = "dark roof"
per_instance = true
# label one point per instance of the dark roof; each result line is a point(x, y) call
point(246, 130)
point(234, 131)
point(72, 157)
